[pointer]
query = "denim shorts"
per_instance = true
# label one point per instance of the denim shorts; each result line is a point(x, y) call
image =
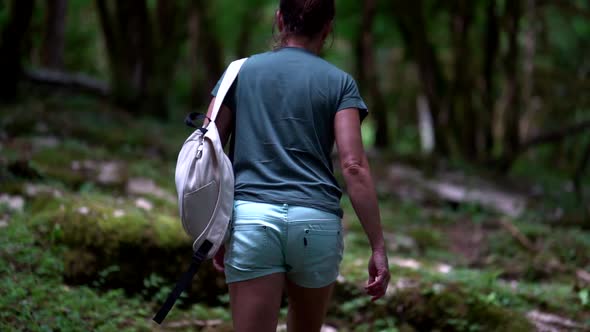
point(302, 242)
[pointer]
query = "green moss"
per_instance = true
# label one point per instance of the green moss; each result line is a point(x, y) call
point(100, 233)
point(100, 221)
point(56, 163)
point(161, 173)
point(451, 308)
point(427, 238)
point(33, 297)
point(167, 229)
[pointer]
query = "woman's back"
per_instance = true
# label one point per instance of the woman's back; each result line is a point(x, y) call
point(285, 102)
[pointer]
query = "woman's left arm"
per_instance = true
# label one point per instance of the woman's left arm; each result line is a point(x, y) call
point(225, 121)
point(225, 124)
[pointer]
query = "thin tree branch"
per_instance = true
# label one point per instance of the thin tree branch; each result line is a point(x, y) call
point(568, 7)
point(517, 235)
point(555, 135)
point(505, 162)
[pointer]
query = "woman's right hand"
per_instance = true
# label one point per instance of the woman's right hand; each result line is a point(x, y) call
point(378, 275)
point(218, 259)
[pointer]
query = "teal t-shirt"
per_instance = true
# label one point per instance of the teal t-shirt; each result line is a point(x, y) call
point(284, 103)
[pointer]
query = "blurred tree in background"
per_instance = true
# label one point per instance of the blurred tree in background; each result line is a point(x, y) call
point(487, 80)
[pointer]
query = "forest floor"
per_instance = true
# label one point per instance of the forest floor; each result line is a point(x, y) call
point(90, 239)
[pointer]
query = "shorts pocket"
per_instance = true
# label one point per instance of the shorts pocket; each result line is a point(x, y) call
point(248, 246)
point(322, 249)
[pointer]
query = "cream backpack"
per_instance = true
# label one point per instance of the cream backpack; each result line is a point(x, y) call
point(205, 185)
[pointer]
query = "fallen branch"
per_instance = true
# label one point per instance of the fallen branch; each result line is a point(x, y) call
point(68, 80)
point(521, 238)
point(456, 188)
point(549, 322)
point(583, 277)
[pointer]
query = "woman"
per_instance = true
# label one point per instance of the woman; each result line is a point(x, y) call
point(288, 108)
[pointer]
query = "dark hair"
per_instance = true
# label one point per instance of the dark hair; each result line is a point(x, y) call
point(305, 18)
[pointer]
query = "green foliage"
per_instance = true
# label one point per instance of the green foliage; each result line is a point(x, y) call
point(427, 238)
point(584, 296)
point(4, 14)
point(97, 220)
point(34, 298)
point(451, 308)
point(160, 288)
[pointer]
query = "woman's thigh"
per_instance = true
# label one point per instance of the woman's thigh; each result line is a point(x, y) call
point(307, 307)
point(255, 303)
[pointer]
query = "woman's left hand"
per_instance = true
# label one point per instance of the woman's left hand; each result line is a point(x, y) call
point(218, 259)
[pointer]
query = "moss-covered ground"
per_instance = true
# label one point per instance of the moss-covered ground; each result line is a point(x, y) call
point(97, 243)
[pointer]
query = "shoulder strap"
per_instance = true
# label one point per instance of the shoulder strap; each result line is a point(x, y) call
point(228, 79)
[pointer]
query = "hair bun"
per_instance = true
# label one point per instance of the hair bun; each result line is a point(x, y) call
point(307, 17)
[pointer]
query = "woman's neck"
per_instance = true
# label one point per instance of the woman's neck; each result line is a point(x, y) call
point(313, 45)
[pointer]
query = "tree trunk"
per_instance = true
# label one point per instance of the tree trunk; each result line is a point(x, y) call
point(136, 53)
point(54, 36)
point(11, 47)
point(169, 32)
point(198, 93)
point(528, 79)
point(206, 53)
point(511, 109)
point(462, 115)
point(412, 25)
point(125, 32)
point(141, 76)
point(368, 74)
point(491, 43)
point(211, 51)
point(122, 90)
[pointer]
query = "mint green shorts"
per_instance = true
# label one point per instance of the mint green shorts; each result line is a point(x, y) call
point(304, 243)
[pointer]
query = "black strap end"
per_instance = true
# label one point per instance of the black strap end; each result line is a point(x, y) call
point(193, 117)
point(198, 257)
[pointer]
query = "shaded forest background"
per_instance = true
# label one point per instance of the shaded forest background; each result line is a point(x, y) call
point(478, 134)
point(493, 79)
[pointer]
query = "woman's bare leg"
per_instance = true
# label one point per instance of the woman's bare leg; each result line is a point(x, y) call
point(307, 307)
point(255, 303)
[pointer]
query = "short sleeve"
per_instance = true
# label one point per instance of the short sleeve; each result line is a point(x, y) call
point(351, 98)
point(230, 100)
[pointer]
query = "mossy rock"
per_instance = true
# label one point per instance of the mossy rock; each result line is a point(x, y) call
point(74, 164)
point(425, 307)
point(113, 244)
point(453, 308)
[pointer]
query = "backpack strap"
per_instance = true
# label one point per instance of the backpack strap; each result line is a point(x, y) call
point(201, 254)
point(228, 79)
point(185, 280)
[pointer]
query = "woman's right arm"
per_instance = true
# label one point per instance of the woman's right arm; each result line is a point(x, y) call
point(361, 190)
